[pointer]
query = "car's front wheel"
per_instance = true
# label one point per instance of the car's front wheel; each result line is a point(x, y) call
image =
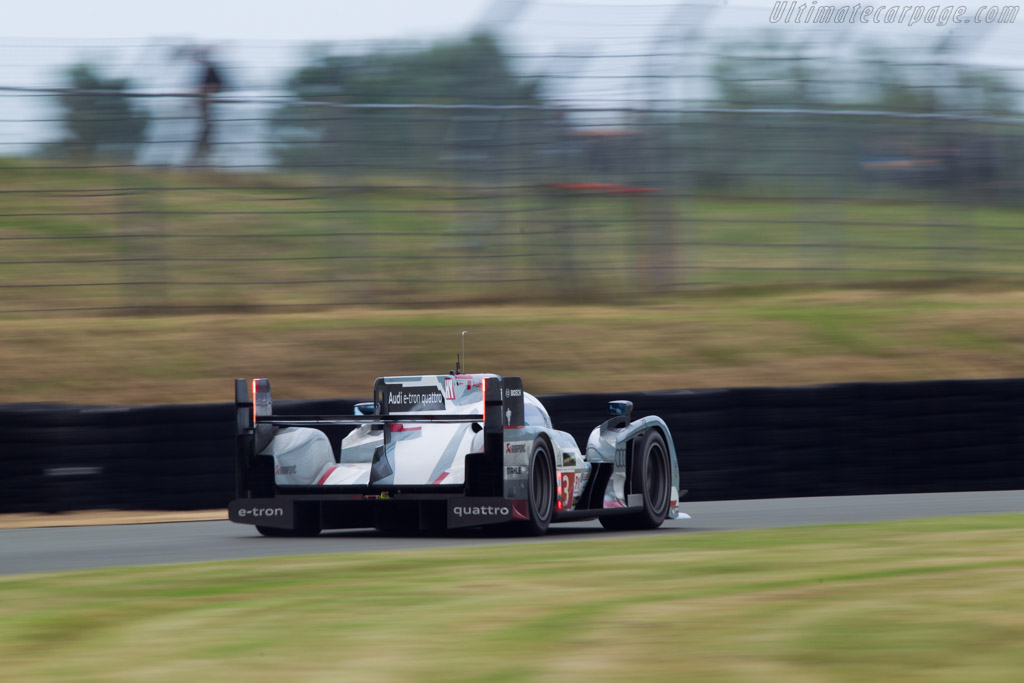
point(652, 474)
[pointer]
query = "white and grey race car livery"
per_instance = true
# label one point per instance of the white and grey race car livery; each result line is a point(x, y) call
point(436, 452)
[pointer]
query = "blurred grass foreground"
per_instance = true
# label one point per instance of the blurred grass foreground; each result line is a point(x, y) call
point(921, 600)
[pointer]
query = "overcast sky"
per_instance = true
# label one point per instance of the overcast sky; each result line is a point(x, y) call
point(350, 20)
point(136, 39)
point(238, 19)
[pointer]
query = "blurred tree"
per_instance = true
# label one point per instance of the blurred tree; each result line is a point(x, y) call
point(107, 123)
point(932, 86)
point(810, 149)
point(473, 71)
point(769, 73)
point(762, 73)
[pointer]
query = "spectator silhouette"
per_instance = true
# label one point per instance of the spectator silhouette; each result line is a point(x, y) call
point(210, 83)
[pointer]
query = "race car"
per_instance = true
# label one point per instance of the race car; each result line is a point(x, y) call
point(437, 452)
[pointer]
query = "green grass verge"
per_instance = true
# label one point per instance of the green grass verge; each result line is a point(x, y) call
point(95, 239)
point(925, 600)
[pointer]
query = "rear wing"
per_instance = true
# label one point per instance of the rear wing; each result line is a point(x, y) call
point(256, 424)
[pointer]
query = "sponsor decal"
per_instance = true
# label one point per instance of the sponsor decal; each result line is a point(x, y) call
point(516, 461)
point(260, 512)
point(481, 510)
point(512, 399)
point(285, 469)
point(449, 388)
point(407, 399)
point(263, 511)
point(516, 471)
point(463, 512)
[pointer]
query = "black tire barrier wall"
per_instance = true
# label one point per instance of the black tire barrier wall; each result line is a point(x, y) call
point(56, 458)
point(842, 439)
point(732, 443)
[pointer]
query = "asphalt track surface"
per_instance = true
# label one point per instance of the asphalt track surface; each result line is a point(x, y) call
point(68, 548)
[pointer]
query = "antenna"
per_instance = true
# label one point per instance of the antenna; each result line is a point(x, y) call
point(464, 350)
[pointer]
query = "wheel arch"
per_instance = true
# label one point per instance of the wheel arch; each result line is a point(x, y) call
point(543, 435)
point(639, 428)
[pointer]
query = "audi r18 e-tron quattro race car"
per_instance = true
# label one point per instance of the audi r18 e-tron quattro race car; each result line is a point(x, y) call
point(440, 452)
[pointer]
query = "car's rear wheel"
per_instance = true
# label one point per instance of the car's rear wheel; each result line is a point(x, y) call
point(541, 489)
point(652, 474)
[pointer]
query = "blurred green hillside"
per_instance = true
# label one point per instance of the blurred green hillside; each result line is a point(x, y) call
point(134, 240)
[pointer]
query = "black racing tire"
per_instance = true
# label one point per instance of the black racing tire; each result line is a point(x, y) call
point(540, 489)
point(307, 523)
point(652, 470)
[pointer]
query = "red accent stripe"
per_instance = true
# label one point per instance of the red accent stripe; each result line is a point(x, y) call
point(514, 426)
point(402, 428)
point(326, 475)
point(520, 509)
point(440, 479)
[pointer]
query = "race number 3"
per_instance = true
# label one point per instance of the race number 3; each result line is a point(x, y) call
point(568, 485)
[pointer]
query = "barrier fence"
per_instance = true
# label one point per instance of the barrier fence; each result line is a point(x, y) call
point(739, 443)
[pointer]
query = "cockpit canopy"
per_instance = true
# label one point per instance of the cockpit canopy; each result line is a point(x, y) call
point(534, 412)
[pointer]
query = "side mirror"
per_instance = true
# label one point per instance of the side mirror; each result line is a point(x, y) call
point(363, 409)
point(620, 408)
